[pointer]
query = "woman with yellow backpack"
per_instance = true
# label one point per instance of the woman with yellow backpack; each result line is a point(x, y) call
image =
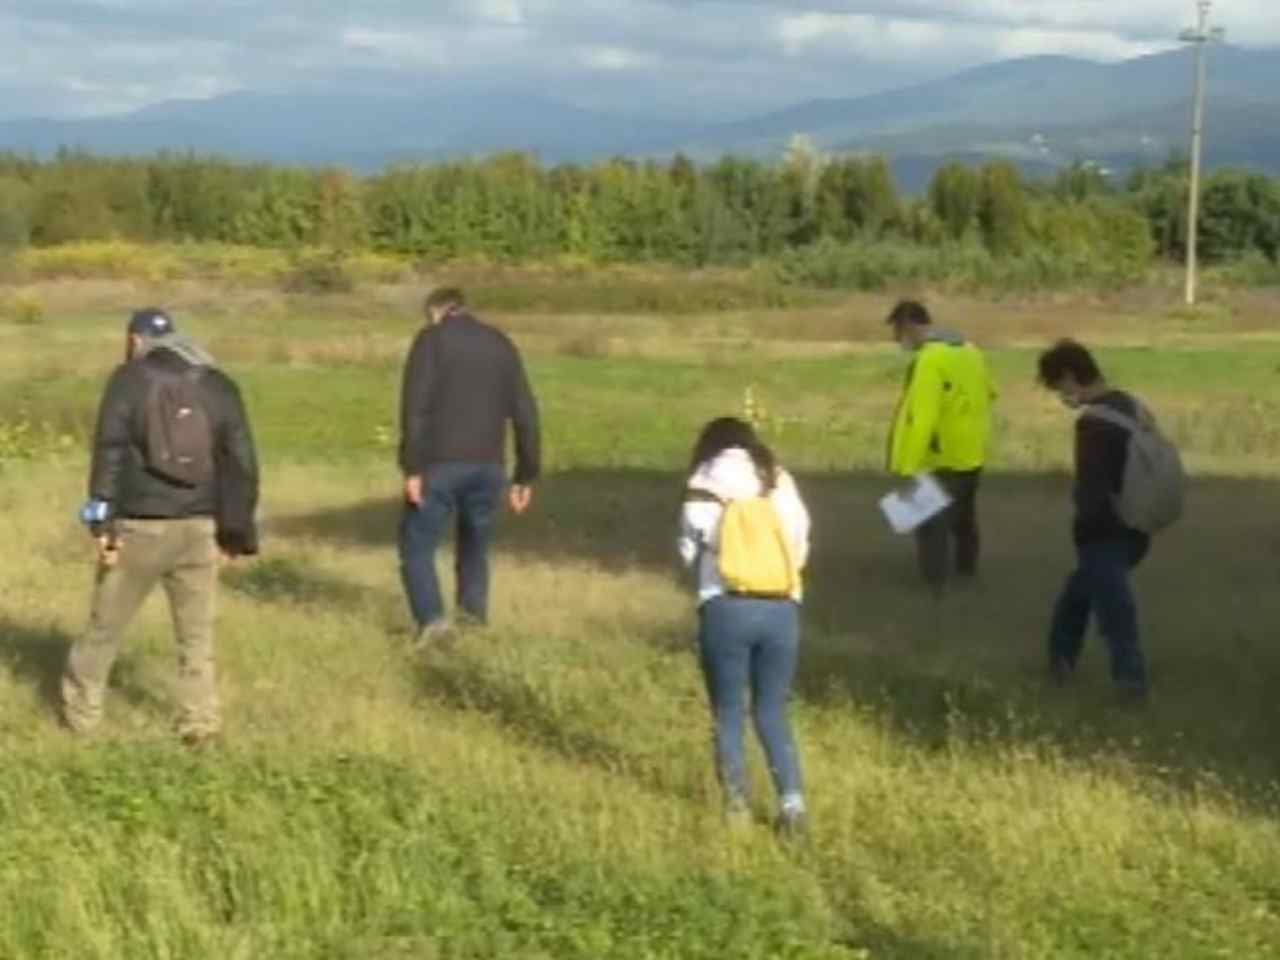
point(744, 532)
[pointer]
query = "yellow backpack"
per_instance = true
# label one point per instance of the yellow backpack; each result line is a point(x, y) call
point(755, 554)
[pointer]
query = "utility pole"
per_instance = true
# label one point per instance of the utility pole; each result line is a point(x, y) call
point(1201, 35)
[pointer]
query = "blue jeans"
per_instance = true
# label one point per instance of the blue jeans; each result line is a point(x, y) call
point(1100, 586)
point(472, 491)
point(746, 641)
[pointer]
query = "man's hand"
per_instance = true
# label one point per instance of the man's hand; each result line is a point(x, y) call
point(413, 489)
point(108, 550)
point(520, 496)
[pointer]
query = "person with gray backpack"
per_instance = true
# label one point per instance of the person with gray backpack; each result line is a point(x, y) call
point(1129, 484)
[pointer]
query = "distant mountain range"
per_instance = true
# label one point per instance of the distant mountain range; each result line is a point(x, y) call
point(366, 130)
point(1046, 112)
point(1043, 112)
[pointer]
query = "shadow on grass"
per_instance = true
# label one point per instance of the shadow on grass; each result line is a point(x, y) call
point(880, 940)
point(34, 655)
point(975, 662)
point(454, 681)
point(129, 681)
point(38, 654)
point(286, 580)
point(291, 582)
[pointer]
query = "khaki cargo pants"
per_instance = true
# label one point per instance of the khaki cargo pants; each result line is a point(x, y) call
point(183, 556)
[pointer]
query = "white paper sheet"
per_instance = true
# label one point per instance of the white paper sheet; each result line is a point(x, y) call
point(907, 511)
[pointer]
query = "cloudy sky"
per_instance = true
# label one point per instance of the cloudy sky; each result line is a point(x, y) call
point(710, 57)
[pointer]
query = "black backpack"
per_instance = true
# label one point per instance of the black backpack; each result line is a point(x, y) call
point(177, 429)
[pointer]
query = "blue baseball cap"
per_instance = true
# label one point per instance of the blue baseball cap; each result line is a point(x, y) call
point(151, 322)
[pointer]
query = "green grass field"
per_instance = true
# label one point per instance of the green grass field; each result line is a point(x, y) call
point(545, 788)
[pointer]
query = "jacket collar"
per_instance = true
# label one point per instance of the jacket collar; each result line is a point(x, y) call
point(946, 337)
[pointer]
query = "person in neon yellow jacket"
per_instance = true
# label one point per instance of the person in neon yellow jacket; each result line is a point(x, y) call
point(943, 427)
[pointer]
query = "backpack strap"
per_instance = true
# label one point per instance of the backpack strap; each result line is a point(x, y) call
point(1140, 424)
point(698, 495)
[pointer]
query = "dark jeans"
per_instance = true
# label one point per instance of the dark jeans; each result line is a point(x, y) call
point(751, 642)
point(1100, 586)
point(472, 492)
point(957, 525)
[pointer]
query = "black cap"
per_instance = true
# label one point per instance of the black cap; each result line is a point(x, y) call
point(151, 322)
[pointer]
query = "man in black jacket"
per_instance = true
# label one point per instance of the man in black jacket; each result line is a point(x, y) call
point(1108, 549)
point(173, 485)
point(463, 381)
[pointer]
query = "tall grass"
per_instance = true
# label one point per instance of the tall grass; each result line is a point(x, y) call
point(807, 276)
point(554, 287)
point(544, 788)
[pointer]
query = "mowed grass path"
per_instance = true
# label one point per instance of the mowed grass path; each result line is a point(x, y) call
point(544, 789)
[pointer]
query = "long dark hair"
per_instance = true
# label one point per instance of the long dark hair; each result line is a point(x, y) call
point(725, 433)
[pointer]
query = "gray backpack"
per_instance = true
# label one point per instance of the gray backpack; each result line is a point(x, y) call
point(1152, 492)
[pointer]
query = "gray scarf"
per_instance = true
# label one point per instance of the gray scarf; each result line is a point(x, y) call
point(183, 346)
point(949, 337)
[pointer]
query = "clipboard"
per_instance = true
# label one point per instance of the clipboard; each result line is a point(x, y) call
point(908, 511)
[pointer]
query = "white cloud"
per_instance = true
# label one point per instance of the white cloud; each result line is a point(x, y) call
point(117, 97)
point(711, 56)
point(878, 38)
point(1135, 19)
point(1077, 43)
point(616, 59)
point(405, 49)
point(510, 12)
point(867, 35)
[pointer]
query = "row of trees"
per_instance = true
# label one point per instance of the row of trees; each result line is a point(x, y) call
point(733, 211)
